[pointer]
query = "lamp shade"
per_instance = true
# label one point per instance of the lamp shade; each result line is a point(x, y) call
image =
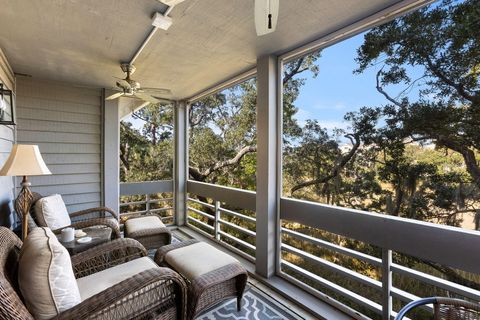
point(24, 160)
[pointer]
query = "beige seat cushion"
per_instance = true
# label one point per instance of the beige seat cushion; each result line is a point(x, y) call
point(45, 275)
point(199, 258)
point(97, 282)
point(143, 223)
point(52, 212)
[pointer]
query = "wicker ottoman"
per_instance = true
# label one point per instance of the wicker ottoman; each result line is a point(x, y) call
point(211, 275)
point(149, 231)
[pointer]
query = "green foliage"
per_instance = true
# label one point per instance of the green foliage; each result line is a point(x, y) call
point(147, 155)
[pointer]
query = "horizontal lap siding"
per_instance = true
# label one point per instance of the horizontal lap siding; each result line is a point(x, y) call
point(7, 138)
point(66, 123)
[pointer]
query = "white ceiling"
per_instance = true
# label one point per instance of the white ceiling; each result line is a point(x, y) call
point(83, 41)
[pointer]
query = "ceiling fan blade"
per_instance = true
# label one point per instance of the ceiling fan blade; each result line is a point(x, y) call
point(146, 97)
point(155, 90)
point(123, 84)
point(266, 16)
point(114, 96)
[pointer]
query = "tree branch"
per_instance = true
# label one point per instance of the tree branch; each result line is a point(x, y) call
point(383, 92)
point(336, 170)
point(296, 70)
point(202, 176)
point(467, 154)
point(124, 156)
point(457, 86)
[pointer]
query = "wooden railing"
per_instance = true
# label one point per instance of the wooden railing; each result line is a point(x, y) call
point(139, 198)
point(448, 246)
point(220, 217)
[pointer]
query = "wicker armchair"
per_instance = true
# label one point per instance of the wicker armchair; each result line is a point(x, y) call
point(157, 293)
point(101, 216)
point(445, 309)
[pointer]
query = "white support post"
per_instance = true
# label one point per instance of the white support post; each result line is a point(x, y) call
point(217, 218)
point(386, 284)
point(111, 152)
point(181, 161)
point(147, 203)
point(266, 165)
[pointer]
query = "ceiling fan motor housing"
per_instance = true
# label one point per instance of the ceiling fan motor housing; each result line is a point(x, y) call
point(128, 68)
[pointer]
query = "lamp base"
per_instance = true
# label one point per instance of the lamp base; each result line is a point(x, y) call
point(24, 200)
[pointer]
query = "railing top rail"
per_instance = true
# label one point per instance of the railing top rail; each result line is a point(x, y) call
point(450, 246)
point(244, 199)
point(145, 187)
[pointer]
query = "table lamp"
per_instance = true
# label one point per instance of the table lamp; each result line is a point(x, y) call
point(24, 160)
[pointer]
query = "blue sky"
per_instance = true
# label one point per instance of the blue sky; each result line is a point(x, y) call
point(336, 90)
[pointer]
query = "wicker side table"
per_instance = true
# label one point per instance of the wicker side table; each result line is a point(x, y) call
point(98, 234)
point(149, 230)
point(211, 275)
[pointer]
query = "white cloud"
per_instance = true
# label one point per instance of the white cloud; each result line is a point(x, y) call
point(329, 106)
point(303, 115)
point(333, 124)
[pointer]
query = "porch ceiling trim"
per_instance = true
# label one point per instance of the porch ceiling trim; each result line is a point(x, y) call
point(351, 30)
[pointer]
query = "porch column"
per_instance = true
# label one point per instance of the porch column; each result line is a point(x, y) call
point(111, 152)
point(266, 207)
point(181, 161)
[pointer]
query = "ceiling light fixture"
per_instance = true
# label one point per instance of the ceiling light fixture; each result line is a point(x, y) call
point(161, 21)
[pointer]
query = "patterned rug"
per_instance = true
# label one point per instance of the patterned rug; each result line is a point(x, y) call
point(255, 306)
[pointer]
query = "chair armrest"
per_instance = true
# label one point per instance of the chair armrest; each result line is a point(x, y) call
point(148, 293)
point(92, 210)
point(106, 255)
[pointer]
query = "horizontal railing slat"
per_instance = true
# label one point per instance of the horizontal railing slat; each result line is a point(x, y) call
point(443, 244)
point(206, 225)
point(237, 198)
point(334, 267)
point(237, 227)
point(238, 251)
point(203, 214)
point(146, 187)
point(236, 240)
point(377, 308)
point(349, 252)
point(408, 297)
point(437, 282)
point(238, 215)
point(208, 205)
point(197, 229)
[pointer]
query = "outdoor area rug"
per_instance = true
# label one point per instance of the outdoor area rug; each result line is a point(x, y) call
point(255, 306)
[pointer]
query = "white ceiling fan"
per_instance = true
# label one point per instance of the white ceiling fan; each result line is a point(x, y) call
point(266, 16)
point(130, 88)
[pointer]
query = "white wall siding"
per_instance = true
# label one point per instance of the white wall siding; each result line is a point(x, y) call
point(7, 138)
point(66, 122)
